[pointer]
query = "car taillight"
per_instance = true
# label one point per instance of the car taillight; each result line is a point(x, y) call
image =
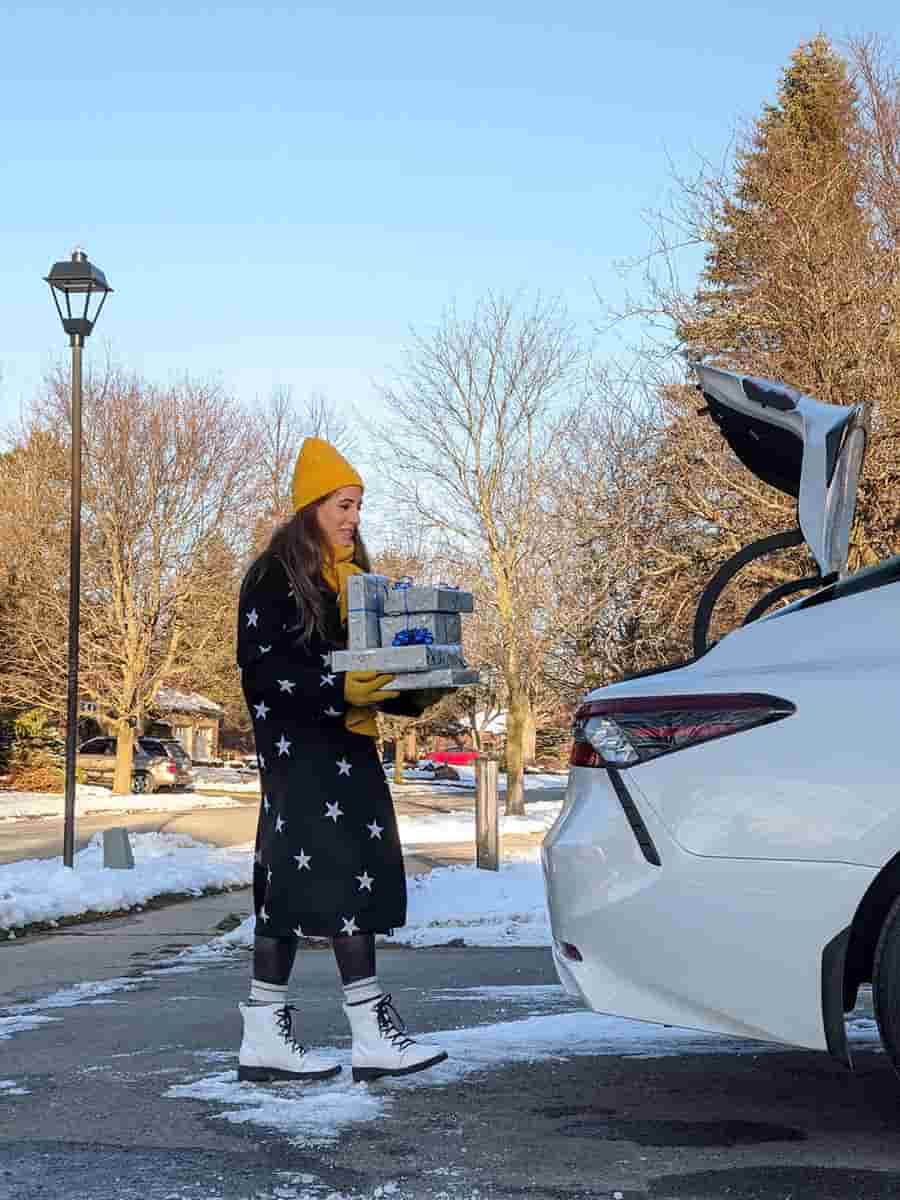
point(626, 732)
point(171, 768)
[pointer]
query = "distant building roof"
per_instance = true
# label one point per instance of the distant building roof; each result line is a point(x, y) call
point(172, 700)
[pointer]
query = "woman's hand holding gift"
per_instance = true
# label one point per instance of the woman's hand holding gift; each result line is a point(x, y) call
point(362, 688)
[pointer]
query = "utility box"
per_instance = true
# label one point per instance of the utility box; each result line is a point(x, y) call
point(117, 849)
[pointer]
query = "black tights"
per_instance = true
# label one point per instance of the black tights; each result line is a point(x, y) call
point(273, 958)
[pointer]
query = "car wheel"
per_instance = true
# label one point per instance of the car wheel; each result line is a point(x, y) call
point(141, 784)
point(886, 984)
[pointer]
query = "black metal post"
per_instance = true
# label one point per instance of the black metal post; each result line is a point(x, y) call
point(77, 342)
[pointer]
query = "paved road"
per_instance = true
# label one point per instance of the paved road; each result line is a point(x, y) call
point(86, 1109)
point(43, 837)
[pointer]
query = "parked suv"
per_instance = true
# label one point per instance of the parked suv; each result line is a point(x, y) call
point(158, 763)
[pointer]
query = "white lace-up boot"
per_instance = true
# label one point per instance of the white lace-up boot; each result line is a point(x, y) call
point(270, 1051)
point(381, 1045)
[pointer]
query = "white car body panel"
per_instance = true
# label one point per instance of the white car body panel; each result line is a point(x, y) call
point(821, 785)
point(732, 947)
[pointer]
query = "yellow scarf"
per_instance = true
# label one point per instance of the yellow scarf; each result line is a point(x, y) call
point(336, 570)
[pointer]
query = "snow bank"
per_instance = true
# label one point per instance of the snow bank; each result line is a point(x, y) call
point(91, 799)
point(164, 863)
point(481, 908)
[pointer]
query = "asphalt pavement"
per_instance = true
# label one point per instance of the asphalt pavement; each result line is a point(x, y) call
point(88, 1110)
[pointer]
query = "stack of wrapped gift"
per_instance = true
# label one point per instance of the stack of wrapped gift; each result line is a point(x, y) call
point(412, 631)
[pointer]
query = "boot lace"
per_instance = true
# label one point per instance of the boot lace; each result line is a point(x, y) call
point(391, 1025)
point(286, 1027)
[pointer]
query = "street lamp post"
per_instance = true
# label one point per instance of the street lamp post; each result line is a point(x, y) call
point(72, 280)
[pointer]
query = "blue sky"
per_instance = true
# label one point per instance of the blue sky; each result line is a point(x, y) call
point(278, 192)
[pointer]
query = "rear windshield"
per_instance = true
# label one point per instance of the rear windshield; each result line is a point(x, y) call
point(863, 581)
point(177, 751)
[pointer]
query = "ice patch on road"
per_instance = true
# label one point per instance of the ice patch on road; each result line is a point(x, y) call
point(9, 1087)
point(21, 1018)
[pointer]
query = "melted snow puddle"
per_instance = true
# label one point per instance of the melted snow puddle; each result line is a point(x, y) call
point(9, 1087)
point(316, 1114)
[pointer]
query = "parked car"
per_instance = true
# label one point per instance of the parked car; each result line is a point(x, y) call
point(158, 763)
point(455, 755)
point(726, 857)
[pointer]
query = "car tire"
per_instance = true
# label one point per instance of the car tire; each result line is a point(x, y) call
point(886, 984)
point(141, 784)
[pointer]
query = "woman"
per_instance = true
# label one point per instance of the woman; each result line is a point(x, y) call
point(328, 857)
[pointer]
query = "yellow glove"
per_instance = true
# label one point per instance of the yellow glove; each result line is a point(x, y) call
point(364, 687)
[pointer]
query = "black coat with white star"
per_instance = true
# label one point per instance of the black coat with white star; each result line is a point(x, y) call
point(328, 855)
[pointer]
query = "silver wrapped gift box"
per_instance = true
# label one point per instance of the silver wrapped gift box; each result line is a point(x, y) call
point(397, 660)
point(424, 598)
point(365, 604)
point(445, 628)
point(440, 677)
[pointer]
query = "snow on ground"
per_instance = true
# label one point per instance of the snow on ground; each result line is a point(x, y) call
point(459, 825)
point(466, 781)
point(92, 799)
point(316, 1114)
point(164, 863)
point(493, 908)
point(483, 908)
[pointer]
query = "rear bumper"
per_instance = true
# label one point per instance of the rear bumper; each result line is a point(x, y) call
point(733, 946)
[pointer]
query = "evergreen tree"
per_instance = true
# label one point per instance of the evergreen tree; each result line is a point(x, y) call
point(792, 269)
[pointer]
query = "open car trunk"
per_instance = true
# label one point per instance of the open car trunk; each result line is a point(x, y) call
point(807, 449)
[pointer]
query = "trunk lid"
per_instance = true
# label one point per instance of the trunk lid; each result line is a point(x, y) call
point(804, 448)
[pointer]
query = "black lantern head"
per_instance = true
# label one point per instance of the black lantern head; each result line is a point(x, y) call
point(72, 280)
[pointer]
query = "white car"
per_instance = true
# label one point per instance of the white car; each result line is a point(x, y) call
point(726, 857)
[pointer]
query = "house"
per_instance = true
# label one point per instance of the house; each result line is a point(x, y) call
point(192, 719)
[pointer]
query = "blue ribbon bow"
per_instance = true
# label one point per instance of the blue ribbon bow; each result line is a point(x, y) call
point(413, 637)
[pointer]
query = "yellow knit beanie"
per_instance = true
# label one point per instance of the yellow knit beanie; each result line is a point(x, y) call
point(320, 470)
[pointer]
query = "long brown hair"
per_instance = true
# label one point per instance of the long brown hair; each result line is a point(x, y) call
point(299, 546)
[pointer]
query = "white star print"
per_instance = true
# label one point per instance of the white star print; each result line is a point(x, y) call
point(283, 746)
point(269, 875)
point(262, 709)
point(280, 824)
point(298, 932)
point(326, 659)
point(327, 681)
point(252, 617)
point(263, 915)
point(262, 762)
point(375, 830)
point(344, 768)
point(264, 649)
point(302, 860)
point(287, 685)
point(331, 712)
point(266, 804)
point(258, 857)
point(349, 925)
point(333, 811)
point(365, 881)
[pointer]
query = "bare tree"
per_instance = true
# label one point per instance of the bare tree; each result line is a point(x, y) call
point(473, 422)
point(281, 425)
point(166, 475)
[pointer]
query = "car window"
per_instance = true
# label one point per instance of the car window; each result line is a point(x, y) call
point(176, 750)
point(94, 746)
point(152, 746)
